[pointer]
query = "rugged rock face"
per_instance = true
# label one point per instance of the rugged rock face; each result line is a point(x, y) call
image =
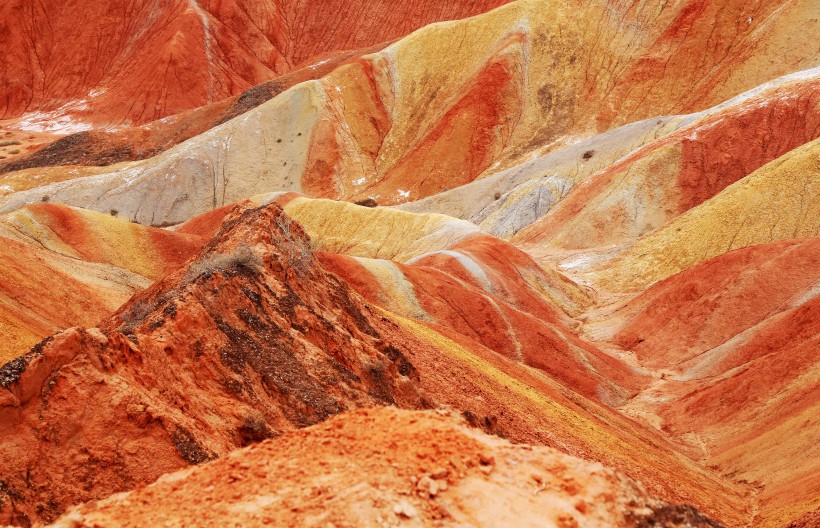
point(251, 339)
point(806, 521)
point(386, 466)
point(158, 59)
point(229, 383)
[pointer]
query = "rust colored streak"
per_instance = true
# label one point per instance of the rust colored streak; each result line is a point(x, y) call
point(729, 149)
point(466, 140)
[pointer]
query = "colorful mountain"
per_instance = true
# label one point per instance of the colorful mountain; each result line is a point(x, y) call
point(591, 229)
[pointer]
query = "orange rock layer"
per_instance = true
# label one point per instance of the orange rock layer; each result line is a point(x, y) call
point(383, 465)
point(155, 61)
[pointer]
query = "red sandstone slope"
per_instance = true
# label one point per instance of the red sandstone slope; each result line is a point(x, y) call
point(733, 343)
point(42, 293)
point(95, 237)
point(229, 350)
point(680, 363)
point(106, 147)
point(385, 467)
point(112, 62)
point(477, 290)
point(465, 283)
point(706, 306)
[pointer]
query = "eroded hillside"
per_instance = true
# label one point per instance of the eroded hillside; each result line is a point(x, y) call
point(591, 226)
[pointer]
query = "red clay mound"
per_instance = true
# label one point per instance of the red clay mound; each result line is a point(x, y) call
point(251, 339)
point(113, 62)
point(105, 147)
point(386, 467)
point(705, 306)
point(774, 364)
point(95, 237)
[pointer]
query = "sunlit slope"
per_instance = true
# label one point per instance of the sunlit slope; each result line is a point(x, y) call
point(379, 232)
point(410, 121)
point(638, 176)
point(670, 175)
point(779, 201)
point(507, 201)
point(733, 342)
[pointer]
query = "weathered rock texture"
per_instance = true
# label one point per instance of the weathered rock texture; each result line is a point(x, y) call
point(605, 241)
point(403, 468)
point(250, 339)
point(155, 59)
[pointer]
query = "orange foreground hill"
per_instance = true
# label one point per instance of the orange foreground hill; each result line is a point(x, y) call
point(384, 467)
